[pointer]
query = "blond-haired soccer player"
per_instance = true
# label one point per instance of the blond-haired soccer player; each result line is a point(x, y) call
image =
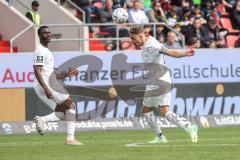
point(50, 90)
point(153, 53)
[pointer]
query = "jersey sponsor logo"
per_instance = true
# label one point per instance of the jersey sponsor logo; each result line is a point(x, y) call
point(39, 59)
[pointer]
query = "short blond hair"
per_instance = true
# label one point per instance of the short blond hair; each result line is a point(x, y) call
point(136, 30)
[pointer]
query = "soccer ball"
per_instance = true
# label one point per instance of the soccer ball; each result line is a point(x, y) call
point(120, 16)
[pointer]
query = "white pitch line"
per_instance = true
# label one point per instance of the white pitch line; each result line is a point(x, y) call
point(204, 139)
point(179, 145)
point(4, 144)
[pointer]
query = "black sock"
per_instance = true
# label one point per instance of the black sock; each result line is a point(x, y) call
point(159, 135)
point(187, 125)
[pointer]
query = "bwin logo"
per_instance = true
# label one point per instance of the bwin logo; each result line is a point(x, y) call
point(7, 128)
point(205, 105)
point(107, 109)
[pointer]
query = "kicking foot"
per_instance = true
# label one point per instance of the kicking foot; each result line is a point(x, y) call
point(192, 131)
point(158, 140)
point(73, 142)
point(39, 125)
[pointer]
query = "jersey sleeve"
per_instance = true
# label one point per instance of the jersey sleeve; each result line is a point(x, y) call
point(39, 58)
point(161, 49)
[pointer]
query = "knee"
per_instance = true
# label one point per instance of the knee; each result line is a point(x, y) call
point(69, 104)
point(163, 111)
point(147, 109)
point(66, 105)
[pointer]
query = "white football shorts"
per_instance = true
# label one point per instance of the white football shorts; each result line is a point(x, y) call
point(59, 93)
point(161, 100)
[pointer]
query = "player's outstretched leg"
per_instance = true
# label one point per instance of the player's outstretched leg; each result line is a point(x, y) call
point(70, 111)
point(41, 120)
point(154, 125)
point(182, 122)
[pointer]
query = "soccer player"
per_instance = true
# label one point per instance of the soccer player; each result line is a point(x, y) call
point(153, 53)
point(50, 90)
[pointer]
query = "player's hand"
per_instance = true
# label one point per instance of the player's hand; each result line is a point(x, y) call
point(190, 52)
point(73, 72)
point(48, 93)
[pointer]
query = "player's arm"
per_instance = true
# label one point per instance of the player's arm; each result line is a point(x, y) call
point(63, 75)
point(38, 75)
point(179, 54)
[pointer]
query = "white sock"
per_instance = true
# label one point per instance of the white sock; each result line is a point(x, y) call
point(153, 122)
point(71, 124)
point(177, 120)
point(54, 116)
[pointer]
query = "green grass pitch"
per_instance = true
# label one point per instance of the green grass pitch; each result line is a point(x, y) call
point(214, 144)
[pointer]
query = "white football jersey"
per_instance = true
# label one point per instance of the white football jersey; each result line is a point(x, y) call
point(153, 51)
point(44, 57)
